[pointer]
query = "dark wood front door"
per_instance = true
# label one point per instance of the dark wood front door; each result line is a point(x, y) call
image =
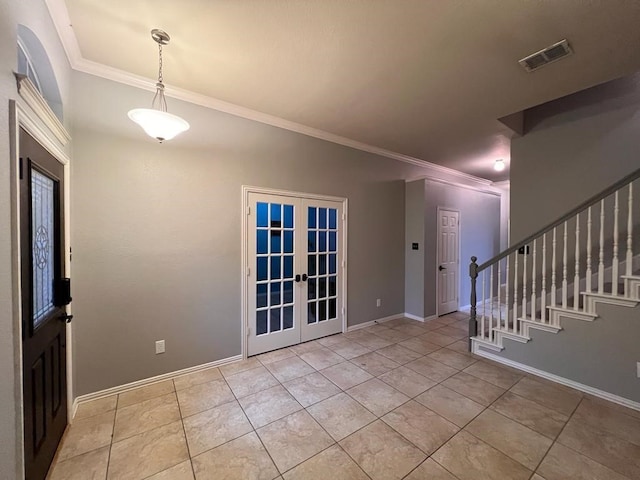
point(43, 320)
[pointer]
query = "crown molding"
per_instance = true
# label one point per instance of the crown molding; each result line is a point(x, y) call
point(32, 97)
point(489, 188)
point(60, 16)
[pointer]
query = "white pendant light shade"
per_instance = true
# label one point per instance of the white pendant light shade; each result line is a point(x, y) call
point(156, 121)
point(158, 124)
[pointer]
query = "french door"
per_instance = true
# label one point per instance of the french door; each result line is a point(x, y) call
point(295, 270)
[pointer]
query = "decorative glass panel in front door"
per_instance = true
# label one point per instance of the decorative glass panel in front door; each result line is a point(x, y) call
point(294, 250)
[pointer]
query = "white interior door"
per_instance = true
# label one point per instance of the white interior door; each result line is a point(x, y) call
point(295, 270)
point(324, 231)
point(448, 260)
point(274, 320)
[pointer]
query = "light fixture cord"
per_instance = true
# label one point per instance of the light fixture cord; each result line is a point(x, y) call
point(158, 98)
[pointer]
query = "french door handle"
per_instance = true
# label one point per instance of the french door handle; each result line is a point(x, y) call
point(298, 278)
point(304, 277)
point(442, 268)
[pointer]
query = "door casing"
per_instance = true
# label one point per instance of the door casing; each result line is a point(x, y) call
point(437, 253)
point(246, 190)
point(20, 117)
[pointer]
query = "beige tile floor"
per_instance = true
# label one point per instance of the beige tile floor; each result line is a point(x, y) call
point(402, 399)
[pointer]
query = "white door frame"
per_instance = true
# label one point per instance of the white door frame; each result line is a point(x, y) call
point(436, 253)
point(246, 190)
point(34, 122)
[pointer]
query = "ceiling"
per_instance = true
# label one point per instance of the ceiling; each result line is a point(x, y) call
point(424, 78)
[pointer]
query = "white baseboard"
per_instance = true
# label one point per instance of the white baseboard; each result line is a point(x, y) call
point(420, 319)
point(625, 402)
point(374, 322)
point(148, 381)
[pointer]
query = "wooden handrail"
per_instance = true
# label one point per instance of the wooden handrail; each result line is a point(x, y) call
point(583, 206)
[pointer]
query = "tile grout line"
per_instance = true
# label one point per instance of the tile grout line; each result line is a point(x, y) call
point(581, 453)
point(555, 440)
point(184, 429)
point(254, 430)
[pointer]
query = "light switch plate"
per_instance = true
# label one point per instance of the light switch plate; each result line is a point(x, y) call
point(159, 347)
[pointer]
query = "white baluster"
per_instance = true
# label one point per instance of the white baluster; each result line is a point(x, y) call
point(491, 295)
point(499, 320)
point(484, 303)
point(524, 282)
point(553, 269)
point(564, 268)
point(506, 295)
point(601, 260)
point(576, 276)
point(588, 274)
point(629, 260)
point(515, 292)
point(543, 290)
point(614, 263)
point(533, 282)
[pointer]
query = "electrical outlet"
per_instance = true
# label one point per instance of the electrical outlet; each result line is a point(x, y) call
point(159, 347)
point(378, 302)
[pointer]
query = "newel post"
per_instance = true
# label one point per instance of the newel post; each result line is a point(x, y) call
point(473, 323)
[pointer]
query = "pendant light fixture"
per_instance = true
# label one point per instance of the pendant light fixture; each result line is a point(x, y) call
point(156, 121)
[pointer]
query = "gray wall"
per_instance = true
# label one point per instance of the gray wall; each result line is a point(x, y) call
point(414, 259)
point(601, 354)
point(157, 230)
point(479, 234)
point(481, 230)
point(9, 455)
point(573, 148)
point(34, 15)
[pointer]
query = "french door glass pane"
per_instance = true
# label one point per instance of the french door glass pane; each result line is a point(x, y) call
point(43, 244)
point(288, 318)
point(322, 228)
point(274, 236)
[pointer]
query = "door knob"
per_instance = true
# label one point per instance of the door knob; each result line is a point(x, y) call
point(65, 318)
point(298, 278)
point(442, 268)
point(304, 277)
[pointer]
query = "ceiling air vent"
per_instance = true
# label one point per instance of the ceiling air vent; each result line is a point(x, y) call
point(546, 56)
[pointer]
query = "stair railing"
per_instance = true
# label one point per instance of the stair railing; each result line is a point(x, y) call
point(552, 264)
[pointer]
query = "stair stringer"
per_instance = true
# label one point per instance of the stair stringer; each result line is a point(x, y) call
point(631, 286)
point(554, 326)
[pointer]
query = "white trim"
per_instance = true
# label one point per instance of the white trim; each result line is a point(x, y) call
point(41, 108)
point(438, 209)
point(148, 381)
point(411, 316)
point(484, 187)
point(503, 185)
point(246, 190)
point(561, 380)
point(375, 322)
point(62, 22)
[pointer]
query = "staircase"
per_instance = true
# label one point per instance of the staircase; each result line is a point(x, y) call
point(565, 270)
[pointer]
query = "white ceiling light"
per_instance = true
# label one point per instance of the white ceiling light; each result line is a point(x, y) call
point(499, 165)
point(156, 121)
